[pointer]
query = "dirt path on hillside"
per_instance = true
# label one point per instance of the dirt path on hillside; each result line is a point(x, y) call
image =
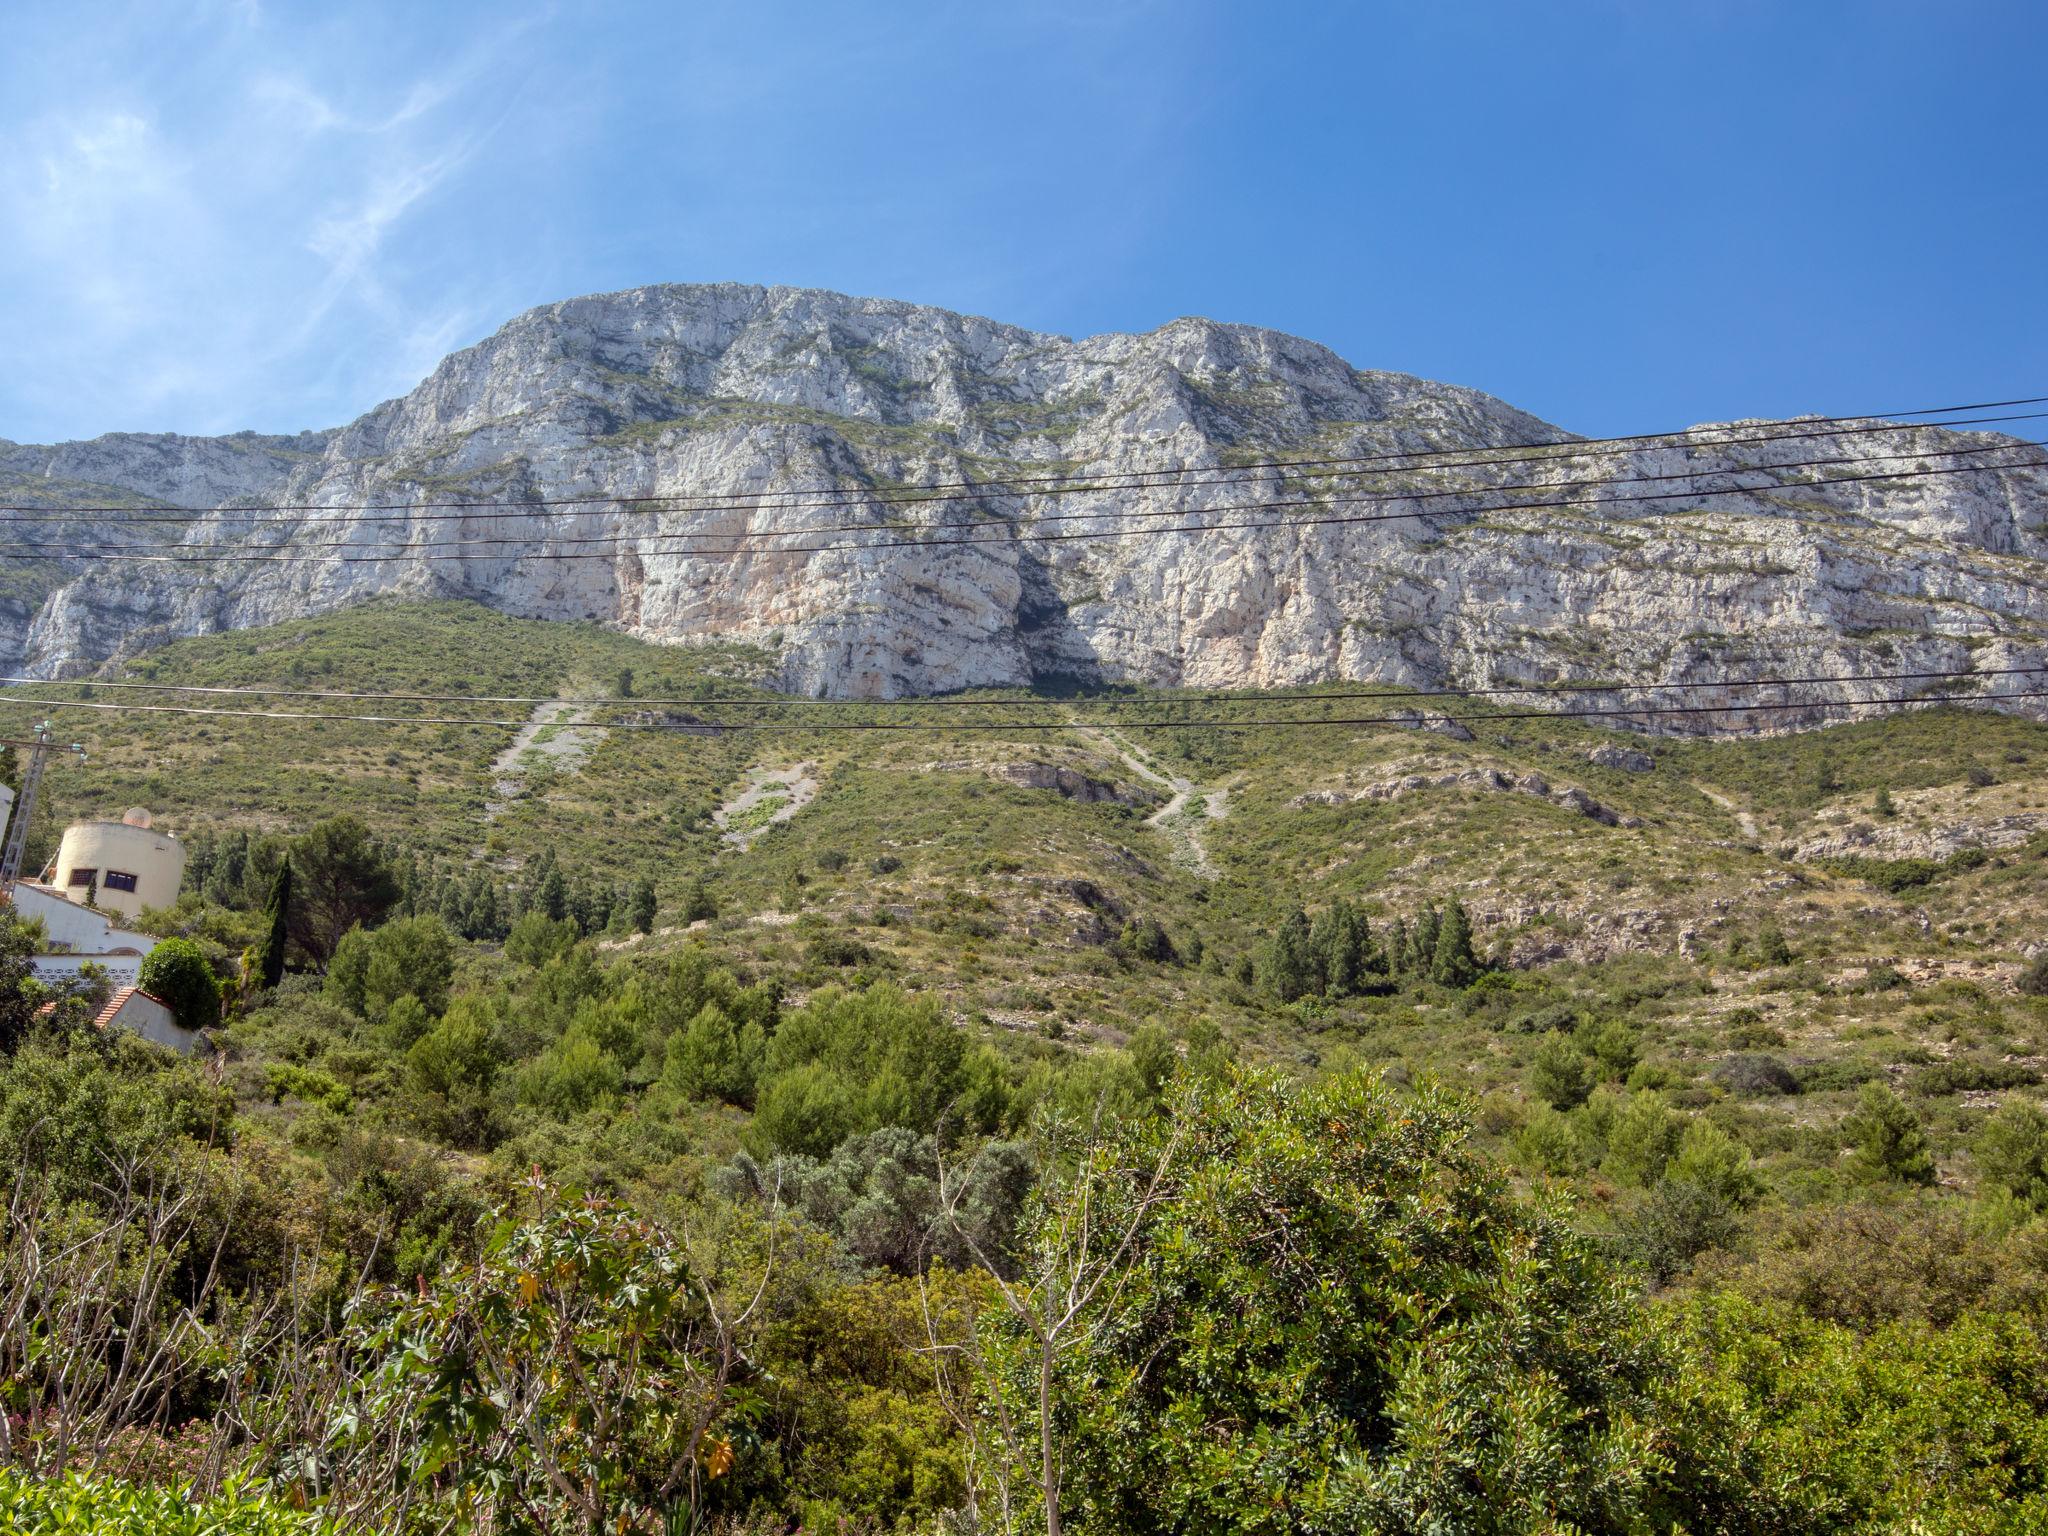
point(1177, 819)
point(548, 740)
point(772, 795)
point(1742, 817)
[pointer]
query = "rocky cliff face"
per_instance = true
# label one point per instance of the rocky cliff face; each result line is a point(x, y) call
point(730, 393)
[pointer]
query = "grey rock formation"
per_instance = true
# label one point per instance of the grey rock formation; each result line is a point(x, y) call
point(770, 427)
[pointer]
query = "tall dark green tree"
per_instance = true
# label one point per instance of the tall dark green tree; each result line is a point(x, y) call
point(1342, 941)
point(1422, 953)
point(1290, 961)
point(277, 926)
point(644, 906)
point(1452, 962)
point(343, 879)
point(552, 899)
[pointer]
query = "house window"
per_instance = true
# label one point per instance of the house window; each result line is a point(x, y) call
point(117, 880)
point(80, 878)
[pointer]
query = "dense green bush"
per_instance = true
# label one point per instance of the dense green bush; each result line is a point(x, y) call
point(81, 1506)
point(1318, 1311)
point(1905, 1428)
point(177, 972)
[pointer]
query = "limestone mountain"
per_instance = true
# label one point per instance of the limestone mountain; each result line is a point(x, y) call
point(732, 396)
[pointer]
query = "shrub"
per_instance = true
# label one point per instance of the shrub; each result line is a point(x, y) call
point(1641, 1139)
point(856, 1061)
point(714, 1057)
point(1890, 1146)
point(1753, 1077)
point(1548, 1142)
point(2012, 1151)
point(177, 972)
point(408, 957)
point(2033, 981)
point(1328, 1315)
point(1560, 1075)
point(91, 1507)
point(1613, 1044)
point(1963, 1075)
point(1906, 1428)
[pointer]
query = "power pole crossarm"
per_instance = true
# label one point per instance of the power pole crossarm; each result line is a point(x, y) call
point(16, 847)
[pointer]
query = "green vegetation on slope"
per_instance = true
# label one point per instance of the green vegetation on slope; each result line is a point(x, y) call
point(1762, 1011)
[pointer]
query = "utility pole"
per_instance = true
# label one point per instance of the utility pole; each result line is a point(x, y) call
point(25, 803)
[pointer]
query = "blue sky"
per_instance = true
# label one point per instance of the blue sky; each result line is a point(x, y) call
point(1621, 214)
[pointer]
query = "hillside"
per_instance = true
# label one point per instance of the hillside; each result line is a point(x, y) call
point(999, 871)
point(726, 394)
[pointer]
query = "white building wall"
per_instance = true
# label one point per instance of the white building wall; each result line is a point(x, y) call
point(154, 859)
point(69, 926)
point(152, 1020)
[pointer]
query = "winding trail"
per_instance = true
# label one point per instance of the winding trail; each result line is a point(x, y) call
point(1173, 817)
point(1742, 816)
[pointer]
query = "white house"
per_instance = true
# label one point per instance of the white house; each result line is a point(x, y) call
point(149, 1016)
point(74, 935)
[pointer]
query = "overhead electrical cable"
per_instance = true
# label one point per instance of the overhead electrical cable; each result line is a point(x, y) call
point(433, 553)
point(1116, 479)
point(638, 540)
point(1033, 521)
point(747, 502)
point(786, 727)
point(1260, 696)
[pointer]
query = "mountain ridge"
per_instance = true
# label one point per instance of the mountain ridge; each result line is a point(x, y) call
point(731, 390)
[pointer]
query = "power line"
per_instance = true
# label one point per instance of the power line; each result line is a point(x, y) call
point(640, 539)
point(1124, 480)
point(425, 552)
point(773, 500)
point(1261, 696)
point(788, 727)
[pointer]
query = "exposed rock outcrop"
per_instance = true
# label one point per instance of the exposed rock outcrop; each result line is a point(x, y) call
point(790, 419)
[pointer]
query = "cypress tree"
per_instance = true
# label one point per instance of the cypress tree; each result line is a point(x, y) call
point(644, 905)
point(270, 953)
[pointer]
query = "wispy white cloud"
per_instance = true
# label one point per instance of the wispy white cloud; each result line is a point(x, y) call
point(183, 243)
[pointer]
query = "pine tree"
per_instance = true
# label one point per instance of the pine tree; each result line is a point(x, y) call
point(1423, 954)
point(698, 904)
point(1290, 960)
point(1397, 946)
point(481, 920)
point(1344, 949)
point(270, 952)
point(1452, 963)
point(644, 906)
point(553, 897)
point(1889, 1142)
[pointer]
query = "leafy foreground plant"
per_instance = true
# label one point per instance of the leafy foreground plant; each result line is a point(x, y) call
point(79, 1506)
point(590, 1372)
point(1281, 1310)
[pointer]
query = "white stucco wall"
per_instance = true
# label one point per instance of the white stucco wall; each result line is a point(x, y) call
point(69, 926)
point(155, 859)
